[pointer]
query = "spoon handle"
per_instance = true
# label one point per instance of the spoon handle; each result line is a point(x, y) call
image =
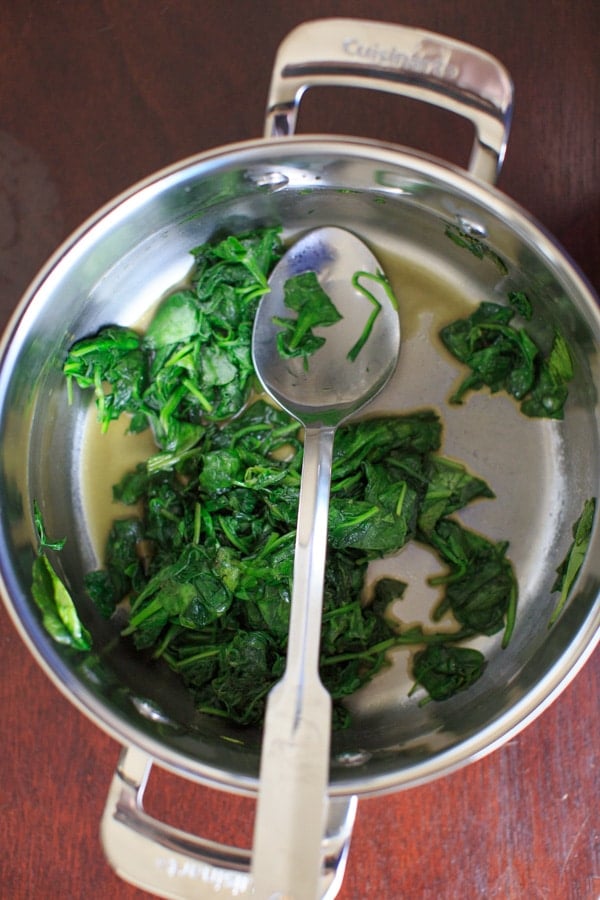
point(294, 774)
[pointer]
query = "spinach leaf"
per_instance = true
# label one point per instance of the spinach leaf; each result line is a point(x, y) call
point(113, 364)
point(475, 245)
point(549, 394)
point(450, 487)
point(445, 670)
point(380, 523)
point(480, 588)
point(504, 357)
point(386, 591)
point(569, 568)
point(303, 294)
point(222, 522)
point(378, 278)
point(59, 614)
point(176, 321)
point(521, 303)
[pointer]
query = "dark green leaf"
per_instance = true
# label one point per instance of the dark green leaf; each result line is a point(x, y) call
point(476, 246)
point(445, 670)
point(503, 357)
point(113, 364)
point(481, 588)
point(521, 302)
point(207, 568)
point(549, 395)
point(304, 295)
point(569, 568)
point(176, 321)
point(59, 614)
point(450, 487)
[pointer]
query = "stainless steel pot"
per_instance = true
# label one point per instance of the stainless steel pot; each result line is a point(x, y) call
point(401, 202)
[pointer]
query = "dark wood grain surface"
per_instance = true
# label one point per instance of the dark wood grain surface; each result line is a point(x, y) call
point(96, 94)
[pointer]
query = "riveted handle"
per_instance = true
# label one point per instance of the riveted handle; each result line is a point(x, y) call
point(401, 60)
point(168, 862)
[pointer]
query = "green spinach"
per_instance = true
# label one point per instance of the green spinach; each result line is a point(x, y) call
point(304, 295)
point(502, 356)
point(194, 365)
point(475, 245)
point(569, 568)
point(59, 614)
point(480, 588)
point(221, 524)
point(445, 670)
point(380, 279)
point(206, 568)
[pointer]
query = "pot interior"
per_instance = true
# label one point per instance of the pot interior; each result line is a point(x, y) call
point(541, 470)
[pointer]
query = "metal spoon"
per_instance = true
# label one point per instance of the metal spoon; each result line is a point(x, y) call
point(321, 392)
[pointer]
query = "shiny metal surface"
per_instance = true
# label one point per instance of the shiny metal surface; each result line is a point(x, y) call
point(171, 863)
point(400, 202)
point(130, 255)
point(321, 392)
point(406, 61)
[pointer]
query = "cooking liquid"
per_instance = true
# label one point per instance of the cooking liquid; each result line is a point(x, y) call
point(107, 457)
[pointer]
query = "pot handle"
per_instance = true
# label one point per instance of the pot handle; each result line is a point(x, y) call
point(168, 862)
point(405, 61)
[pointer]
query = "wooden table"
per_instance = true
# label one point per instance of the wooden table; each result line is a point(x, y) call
point(96, 94)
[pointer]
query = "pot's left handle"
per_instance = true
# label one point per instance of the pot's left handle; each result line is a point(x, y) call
point(406, 61)
point(168, 862)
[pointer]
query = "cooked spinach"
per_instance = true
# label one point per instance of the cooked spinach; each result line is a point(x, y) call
point(475, 245)
point(445, 670)
point(113, 356)
point(522, 304)
point(194, 364)
point(221, 524)
point(59, 614)
point(304, 295)
point(206, 568)
point(480, 588)
point(380, 279)
point(502, 356)
point(569, 568)
point(549, 393)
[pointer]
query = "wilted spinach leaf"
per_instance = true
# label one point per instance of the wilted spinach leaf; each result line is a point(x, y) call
point(59, 614)
point(569, 568)
point(502, 356)
point(449, 487)
point(114, 365)
point(445, 670)
point(194, 362)
point(475, 245)
point(221, 523)
point(480, 588)
point(304, 295)
point(549, 394)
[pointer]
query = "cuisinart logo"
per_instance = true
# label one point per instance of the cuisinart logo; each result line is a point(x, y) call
point(435, 64)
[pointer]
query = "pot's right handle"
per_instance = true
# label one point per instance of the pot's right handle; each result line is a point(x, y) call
point(402, 60)
point(171, 863)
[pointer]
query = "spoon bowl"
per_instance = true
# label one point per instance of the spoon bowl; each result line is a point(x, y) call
point(345, 364)
point(329, 387)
